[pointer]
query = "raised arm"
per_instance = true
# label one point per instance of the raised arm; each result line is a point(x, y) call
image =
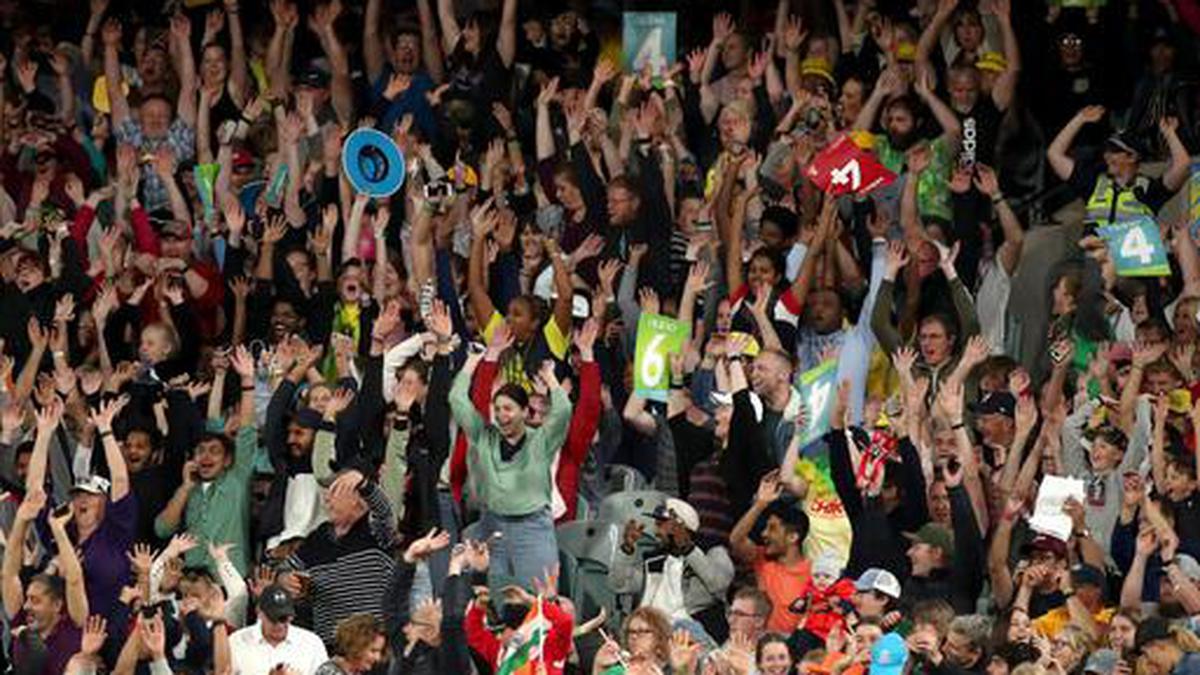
point(111, 35)
point(923, 87)
point(1056, 154)
point(431, 51)
point(118, 472)
point(932, 34)
point(70, 568)
point(450, 28)
point(341, 90)
point(1006, 83)
point(374, 53)
point(48, 419)
point(483, 221)
point(889, 84)
point(12, 589)
point(506, 41)
point(185, 66)
point(239, 69)
point(1177, 171)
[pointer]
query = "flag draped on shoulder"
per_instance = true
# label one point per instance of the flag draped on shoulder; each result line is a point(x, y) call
point(525, 652)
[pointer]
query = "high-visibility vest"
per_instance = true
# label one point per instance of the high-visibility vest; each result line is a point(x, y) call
point(1110, 203)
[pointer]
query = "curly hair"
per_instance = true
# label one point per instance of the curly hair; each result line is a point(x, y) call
point(355, 634)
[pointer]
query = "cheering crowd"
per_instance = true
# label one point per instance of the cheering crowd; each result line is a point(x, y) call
point(257, 419)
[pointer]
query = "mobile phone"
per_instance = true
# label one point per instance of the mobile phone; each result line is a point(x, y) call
point(476, 347)
point(1056, 355)
point(149, 611)
point(62, 510)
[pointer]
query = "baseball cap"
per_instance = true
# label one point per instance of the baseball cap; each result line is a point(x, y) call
point(938, 536)
point(1188, 565)
point(721, 398)
point(276, 603)
point(889, 655)
point(828, 563)
point(679, 510)
point(1122, 141)
point(1151, 630)
point(1087, 575)
point(1101, 662)
point(995, 403)
point(992, 61)
point(1044, 542)
point(95, 485)
point(313, 77)
point(881, 580)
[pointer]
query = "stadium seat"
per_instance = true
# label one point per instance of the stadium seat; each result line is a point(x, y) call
point(624, 478)
point(638, 504)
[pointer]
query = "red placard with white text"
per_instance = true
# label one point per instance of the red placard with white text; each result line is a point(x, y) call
point(844, 168)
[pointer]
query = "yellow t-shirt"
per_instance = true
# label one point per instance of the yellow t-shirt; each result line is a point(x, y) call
point(551, 343)
point(1052, 622)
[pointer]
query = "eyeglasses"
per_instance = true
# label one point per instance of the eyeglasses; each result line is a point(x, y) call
point(739, 614)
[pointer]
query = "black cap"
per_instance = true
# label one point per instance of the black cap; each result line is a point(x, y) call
point(314, 78)
point(276, 603)
point(1150, 630)
point(1123, 141)
point(995, 403)
point(1087, 575)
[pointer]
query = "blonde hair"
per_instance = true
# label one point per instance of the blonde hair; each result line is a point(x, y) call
point(659, 624)
point(355, 634)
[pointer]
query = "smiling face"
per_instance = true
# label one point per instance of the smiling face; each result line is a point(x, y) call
point(406, 53)
point(509, 416)
point(640, 638)
point(777, 538)
point(156, 117)
point(775, 659)
point(350, 284)
point(568, 193)
point(155, 345)
point(42, 606)
point(89, 509)
point(211, 459)
point(137, 449)
point(214, 67)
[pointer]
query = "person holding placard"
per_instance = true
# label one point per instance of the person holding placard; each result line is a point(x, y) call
point(1114, 188)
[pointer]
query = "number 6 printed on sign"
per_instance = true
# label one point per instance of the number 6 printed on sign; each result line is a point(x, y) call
point(657, 338)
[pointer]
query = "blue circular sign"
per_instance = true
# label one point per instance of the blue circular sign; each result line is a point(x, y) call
point(373, 163)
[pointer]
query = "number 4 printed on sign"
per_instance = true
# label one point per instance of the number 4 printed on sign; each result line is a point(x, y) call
point(1135, 245)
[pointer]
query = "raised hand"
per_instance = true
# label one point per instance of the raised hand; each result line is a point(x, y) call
point(141, 558)
point(243, 363)
point(433, 541)
point(770, 488)
point(95, 632)
point(1091, 114)
point(103, 415)
point(339, 400)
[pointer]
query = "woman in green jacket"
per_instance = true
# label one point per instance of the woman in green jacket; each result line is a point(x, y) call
point(511, 472)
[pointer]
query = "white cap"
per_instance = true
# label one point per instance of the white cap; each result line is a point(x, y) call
point(679, 510)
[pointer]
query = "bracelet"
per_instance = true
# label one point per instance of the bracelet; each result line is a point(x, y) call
point(999, 197)
point(248, 387)
point(956, 426)
point(105, 434)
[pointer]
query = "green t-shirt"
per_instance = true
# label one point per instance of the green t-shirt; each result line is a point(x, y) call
point(933, 187)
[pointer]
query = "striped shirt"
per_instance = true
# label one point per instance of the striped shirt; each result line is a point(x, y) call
point(349, 573)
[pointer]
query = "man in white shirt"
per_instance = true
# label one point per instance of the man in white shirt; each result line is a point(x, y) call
point(273, 641)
